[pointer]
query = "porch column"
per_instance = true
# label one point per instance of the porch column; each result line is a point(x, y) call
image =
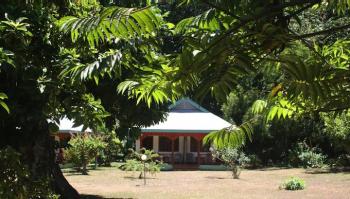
point(141, 141)
point(181, 144)
point(156, 143)
point(199, 141)
point(172, 151)
point(137, 148)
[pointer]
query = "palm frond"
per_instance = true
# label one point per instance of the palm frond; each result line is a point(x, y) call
point(2, 103)
point(230, 137)
point(207, 21)
point(111, 23)
point(108, 63)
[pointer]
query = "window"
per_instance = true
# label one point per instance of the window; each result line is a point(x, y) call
point(194, 144)
point(147, 142)
point(165, 144)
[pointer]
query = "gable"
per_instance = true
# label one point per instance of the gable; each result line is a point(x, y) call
point(186, 105)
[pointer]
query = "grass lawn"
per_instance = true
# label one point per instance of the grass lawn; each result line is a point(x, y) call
point(112, 183)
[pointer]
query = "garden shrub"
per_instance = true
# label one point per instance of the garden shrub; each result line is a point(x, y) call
point(293, 183)
point(311, 159)
point(134, 163)
point(341, 161)
point(254, 161)
point(82, 150)
point(112, 149)
point(214, 167)
point(233, 158)
point(303, 155)
point(16, 181)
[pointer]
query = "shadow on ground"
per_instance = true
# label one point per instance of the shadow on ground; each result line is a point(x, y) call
point(83, 196)
point(344, 170)
point(218, 178)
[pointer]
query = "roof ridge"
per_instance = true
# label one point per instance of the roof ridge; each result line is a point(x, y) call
point(186, 99)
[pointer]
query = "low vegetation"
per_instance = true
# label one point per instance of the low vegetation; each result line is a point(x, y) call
point(293, 184)
point(134, 163)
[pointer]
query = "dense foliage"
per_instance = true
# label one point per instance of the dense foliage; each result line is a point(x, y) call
point(113, 148)
point(15, 179)
point(302, 155)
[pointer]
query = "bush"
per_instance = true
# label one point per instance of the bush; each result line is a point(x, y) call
point(303, 155)
point(233, 158)
point(83, 150)
point(293, 183)
point(311, 159)
point(254, 161)
point(16, 181)
point(341, 161)
point(111, 150)
point(152, 164)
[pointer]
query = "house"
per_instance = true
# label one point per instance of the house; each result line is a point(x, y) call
point(179, 138)
point(66, 130)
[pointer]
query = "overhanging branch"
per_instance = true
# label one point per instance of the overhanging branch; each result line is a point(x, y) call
point(323, 32)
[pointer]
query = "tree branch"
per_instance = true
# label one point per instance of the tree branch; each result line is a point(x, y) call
point(221, 9)
point(299, 11)
point(322, 32)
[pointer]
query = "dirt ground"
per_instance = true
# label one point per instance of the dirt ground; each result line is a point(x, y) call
point(112, 183)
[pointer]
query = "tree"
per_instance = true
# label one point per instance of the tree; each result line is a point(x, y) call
point(233, 158)
point(33, 74)
point(83, 149)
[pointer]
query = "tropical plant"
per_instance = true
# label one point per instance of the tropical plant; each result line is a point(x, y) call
point(233, 158)
point(2, 103)
point(151, 165)
point(293, 183)
point(82, 150)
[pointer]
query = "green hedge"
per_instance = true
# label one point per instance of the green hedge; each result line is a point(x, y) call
point(167, 167)
point(213, 167)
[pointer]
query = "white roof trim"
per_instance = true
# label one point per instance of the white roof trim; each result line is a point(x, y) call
point(66, 126)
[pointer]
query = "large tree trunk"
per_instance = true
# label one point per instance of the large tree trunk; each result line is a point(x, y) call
point(44, 164)
point(37, 149)
point(62, 186)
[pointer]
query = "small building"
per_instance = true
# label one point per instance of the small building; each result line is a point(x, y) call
point(179, 138)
